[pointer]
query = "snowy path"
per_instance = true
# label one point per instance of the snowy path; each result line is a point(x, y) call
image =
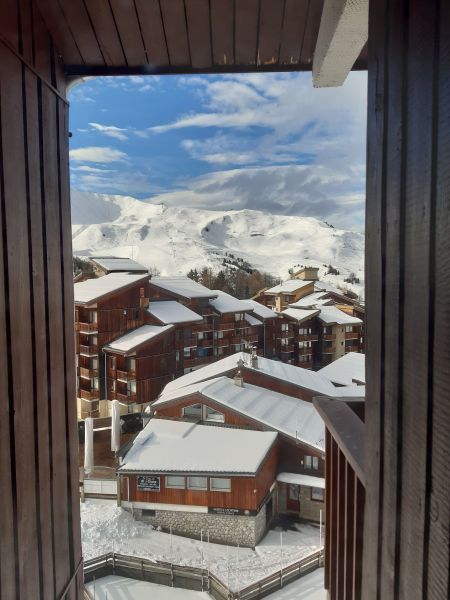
point(107, 528)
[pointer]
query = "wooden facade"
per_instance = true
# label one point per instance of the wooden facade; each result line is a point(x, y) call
point(40, 549)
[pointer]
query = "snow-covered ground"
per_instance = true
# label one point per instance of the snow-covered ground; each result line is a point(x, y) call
point(175, 239)
point(108, 528)
point(112, 587)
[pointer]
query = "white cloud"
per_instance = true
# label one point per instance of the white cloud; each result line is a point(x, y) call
point(97, 154)
point(110, 131)
point(88, 169)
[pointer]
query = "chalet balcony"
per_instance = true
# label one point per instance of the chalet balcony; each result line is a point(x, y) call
point(197, 361)
point(225, 326)
point(288, 348)
point(87, 373)
point(128, 398)
point(352, 335)
point(329, 336)
point(308, 338)
point(189, 342)
point(125, 375)
point(251, 338)
point(88, 350)
point(305, 351)
point(222, 342)
point(89, 394)
point(87, 327)
point(202, 327)
point(330, 350)
point(205, 343)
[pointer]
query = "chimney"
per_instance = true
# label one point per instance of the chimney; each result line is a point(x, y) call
point(254, 359)
point(238, 378)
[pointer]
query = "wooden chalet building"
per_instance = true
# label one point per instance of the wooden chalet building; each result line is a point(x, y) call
point(388, 477)
point(103, 265)
point(193, 477)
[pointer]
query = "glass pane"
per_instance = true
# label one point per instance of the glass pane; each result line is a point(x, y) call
point(214, 415)
point(197, 483)
point(175, 481)
point(220, 484)
point(195, 410)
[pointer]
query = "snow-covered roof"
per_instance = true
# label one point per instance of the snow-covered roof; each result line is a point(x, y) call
point(298, 479)
point(295, 418)
point(253, 321)
point(333, 315)
point(288, 287)
point(183, 286)
point(170, 311)
point(183, 447)
point(311, 300)
point(327, 287)
point(225, 303)
point(137, 337)
point(299, 315)
point(113, 263)
point(91, 290)
point(261, 311)
point(303, 378)
point(347, 370)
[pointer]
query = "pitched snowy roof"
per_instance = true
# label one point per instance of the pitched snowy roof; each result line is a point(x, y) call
point(112, 263)
point(298, 479)
point(225, 303)
point(347, 370)
point(131, 340)
point(295, 418)
point(251, 320)
point(183, 286)
point(311, 300)
point(299, 315)
point(327, 287)
point(91, 290)
point(288, 287)
point(178, 446)
point(333, 315)
point(170, 311)
point(261, 311)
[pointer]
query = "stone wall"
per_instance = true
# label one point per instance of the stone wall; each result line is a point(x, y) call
point(310, 509)
point(225, 529)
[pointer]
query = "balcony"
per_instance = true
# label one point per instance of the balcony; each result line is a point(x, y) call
point(352, 349)
point(329, 336)
point(125, 375)
point(88, 394)
point(190, 342)
point(225, 327)
point(288, 348)
point(202, 327)
point(88, 350)
point(308, 338)
point(128, 398)
point(305, 351)
point(87, 327)
point(330, 350)
point(352, 335)
point(87, 373)
point(252, 338)
point(205, 343)
point(222, 342)
point(197, 361)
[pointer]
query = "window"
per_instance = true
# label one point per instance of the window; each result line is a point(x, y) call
point(307, 462)
point(238, 317)
point(284, 326)
point(200, 335)
point(220, 484)
point(197, 483)
point(131, 387)
point(175, 482)
point(187, 353)
point(195, 410)
point(317, 494)
point(315, 463)
point(214, 415)
point(131, 364)
point(219, 334)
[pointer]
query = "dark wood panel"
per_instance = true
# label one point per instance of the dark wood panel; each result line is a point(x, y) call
point(130, 34)
point(246, 32)
point(152, 28)
point(311, 30)
point(198, 22)
point(174, 18)
point(26, 26)
point(9, 23)
point(222, 31)
point(106, 31)
point(293, 31)
point(78, 19)
point(61, 32)
point(270, 23)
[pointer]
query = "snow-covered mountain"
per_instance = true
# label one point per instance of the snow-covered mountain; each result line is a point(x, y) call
point(175, 239)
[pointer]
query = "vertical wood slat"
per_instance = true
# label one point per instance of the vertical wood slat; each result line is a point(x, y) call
point(174, 19)
point(77, 16)
point(246, 32)
point(333, 519)
point(198, 21)
point(311, 30)
point(130, 34)
point(152, 28)
point(349, 535)
point(222, 27)
point(340, 526)
point(270, 23)
point(327, 508)
point(105, 30)
point(293, 31)
point(62, 35)
point(437, 557)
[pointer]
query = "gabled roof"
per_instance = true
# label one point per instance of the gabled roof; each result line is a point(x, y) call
point(170, 311)
point(225, 303)
point(295, 418)
point(331, 315)
point(252, 321)
point(312, 300)
point(347, 370)
point(181, 447)
point(261, 311)
point(183, 286)
point(115, 264)
point(299, 315)
point(133, 339)
point(288, 287)
point(92, 290)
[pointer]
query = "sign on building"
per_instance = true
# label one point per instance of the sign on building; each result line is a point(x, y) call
point(148, 483)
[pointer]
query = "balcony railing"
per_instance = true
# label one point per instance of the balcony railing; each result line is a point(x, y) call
point(126, 375)
point(251, 338)
point(88, 350)
point(288, 348)
point(352, 335)
point(330, 350)
point(87, 373)
point(88, 394)
point(205, 343)
point(189, 342)
point(202, 327)
point(329, 336)
point(128, 398)
point(304, 351)
point(87, 327)
point(222, 342)
point(351, 348)
point(308, 338)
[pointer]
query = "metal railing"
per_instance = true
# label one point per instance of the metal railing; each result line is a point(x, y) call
point(195, 578)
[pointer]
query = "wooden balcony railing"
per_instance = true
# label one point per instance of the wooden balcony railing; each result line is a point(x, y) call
point(88, 350)
point(222, 342)
point(205, 343)
point(352, 348)
point(87, 327)
point(202, 327)
point(308, 338)
point(190, 342)
point(252, 338)
point(87, 373)
point(330, 350)
point(329, 336)
point(304, 351)
point(125, 375)
point(352, 335)
point(287, 348)
point(128, 398)
point(88, 394)
point(225, 326)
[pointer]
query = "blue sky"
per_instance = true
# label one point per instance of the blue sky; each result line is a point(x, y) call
point(259, 141)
